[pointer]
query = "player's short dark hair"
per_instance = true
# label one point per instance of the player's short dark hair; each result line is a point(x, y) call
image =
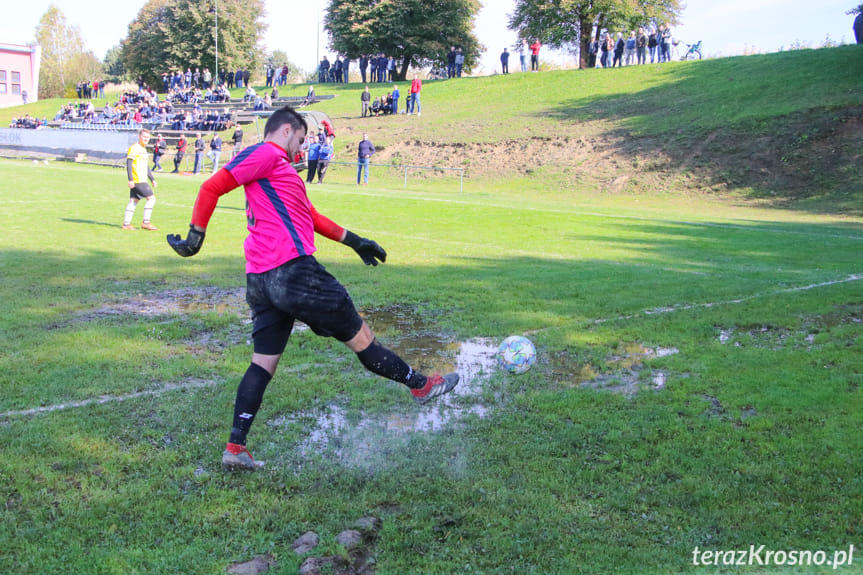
point(282, 116)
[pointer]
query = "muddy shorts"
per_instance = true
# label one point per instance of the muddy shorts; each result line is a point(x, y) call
point(300, 289)
point(142, 190)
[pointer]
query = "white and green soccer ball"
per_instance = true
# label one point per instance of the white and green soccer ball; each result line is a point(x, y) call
point(516, 354)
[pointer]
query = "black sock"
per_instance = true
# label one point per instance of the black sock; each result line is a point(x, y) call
point(249, 396)
point(382, 361)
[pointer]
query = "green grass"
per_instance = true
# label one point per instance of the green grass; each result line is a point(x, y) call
point(754, 439)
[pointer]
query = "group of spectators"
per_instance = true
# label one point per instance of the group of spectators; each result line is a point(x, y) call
point(28, 122)
point(633, 49)
point(389, 103)
point(379, 67)
point(89, 89)
point(454, 62)
point(382, 105)
point(337, 72)
point(276, 75)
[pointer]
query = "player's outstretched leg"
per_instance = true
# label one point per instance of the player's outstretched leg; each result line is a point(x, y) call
point(384, 362)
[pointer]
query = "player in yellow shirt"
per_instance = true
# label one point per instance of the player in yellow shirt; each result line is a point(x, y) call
point(138, 170)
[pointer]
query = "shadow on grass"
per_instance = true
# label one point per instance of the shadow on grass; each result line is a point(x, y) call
point(786, 127)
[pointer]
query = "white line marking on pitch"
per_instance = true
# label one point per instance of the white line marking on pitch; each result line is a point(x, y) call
point(684, 307)
point(192, 384)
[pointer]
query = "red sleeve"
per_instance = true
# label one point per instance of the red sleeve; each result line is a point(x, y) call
point(208, 196)
point(327, 227)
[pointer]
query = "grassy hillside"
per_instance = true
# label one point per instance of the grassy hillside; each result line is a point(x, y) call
point(786, 128)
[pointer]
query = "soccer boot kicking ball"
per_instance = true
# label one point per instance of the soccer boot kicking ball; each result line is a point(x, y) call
point(435, 386)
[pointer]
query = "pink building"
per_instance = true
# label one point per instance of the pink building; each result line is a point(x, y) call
point(19, 74)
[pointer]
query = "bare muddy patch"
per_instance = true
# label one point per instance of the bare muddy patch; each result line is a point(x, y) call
point(623, 371)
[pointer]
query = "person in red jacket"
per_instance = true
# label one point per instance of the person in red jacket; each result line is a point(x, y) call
point(534, 56)
point(416, 87)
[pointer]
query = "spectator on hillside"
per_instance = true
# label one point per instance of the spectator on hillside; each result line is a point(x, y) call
point(652, 43)
point(504, 61)
point(337, 69)
point(238, 78)
point(238, 141)
point(606, 47)
point(534, 55)
point(365, 151)
point(450, 62)
point(326, 155)
point(215, 152)
point(314, 149)
point(310, 95)
point(247, 75)
point(365, 98)
point(459, 62)
point(323, 70)
point(181, 152)
point(619, 46)
point(629, 49)
point(593, 50)
point(199, 153)
point(269, 72)
point(158, 151)
point(665, 44)
point(416, 88)
point(395, 95)
point(523, 50)
point(364, 64)
point(641, 46)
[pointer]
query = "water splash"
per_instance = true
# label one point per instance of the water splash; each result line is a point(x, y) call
point(361, 440)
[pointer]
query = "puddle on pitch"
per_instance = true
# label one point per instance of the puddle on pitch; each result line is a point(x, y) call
point(358, 439)
point(626, 378)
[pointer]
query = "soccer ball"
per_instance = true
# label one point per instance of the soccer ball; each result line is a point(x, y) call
point(516, 354)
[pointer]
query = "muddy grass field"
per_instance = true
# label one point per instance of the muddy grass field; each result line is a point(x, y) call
point(697, 386)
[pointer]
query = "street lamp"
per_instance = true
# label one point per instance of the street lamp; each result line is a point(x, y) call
point(216, 76)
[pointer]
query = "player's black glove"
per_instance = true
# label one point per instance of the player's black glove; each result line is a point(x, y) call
point(188, 247)
point(368, 250)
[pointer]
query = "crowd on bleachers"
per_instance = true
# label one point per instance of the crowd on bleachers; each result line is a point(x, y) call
point(28, 122)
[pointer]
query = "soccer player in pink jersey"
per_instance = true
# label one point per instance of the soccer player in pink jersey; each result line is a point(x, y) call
point(284, 281)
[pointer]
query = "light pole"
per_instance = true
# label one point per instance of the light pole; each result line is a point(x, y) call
point(216, 77)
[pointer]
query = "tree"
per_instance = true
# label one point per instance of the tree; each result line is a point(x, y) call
point(113, 66)
point(568, 24)
point(64, 58)
point(178, 34)
point(414, 32)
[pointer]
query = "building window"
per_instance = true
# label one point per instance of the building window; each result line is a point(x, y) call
point(16, 82)
point(2, 81)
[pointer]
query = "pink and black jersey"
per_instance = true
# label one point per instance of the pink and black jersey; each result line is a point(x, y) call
point(280, 221)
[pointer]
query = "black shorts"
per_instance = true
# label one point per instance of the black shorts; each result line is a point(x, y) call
point(141, 190)
point(300, 289)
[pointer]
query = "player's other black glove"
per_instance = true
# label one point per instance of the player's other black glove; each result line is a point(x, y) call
point(368, 250)
point(188, 247)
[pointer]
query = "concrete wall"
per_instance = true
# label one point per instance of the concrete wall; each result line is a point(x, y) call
point(69, 143)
